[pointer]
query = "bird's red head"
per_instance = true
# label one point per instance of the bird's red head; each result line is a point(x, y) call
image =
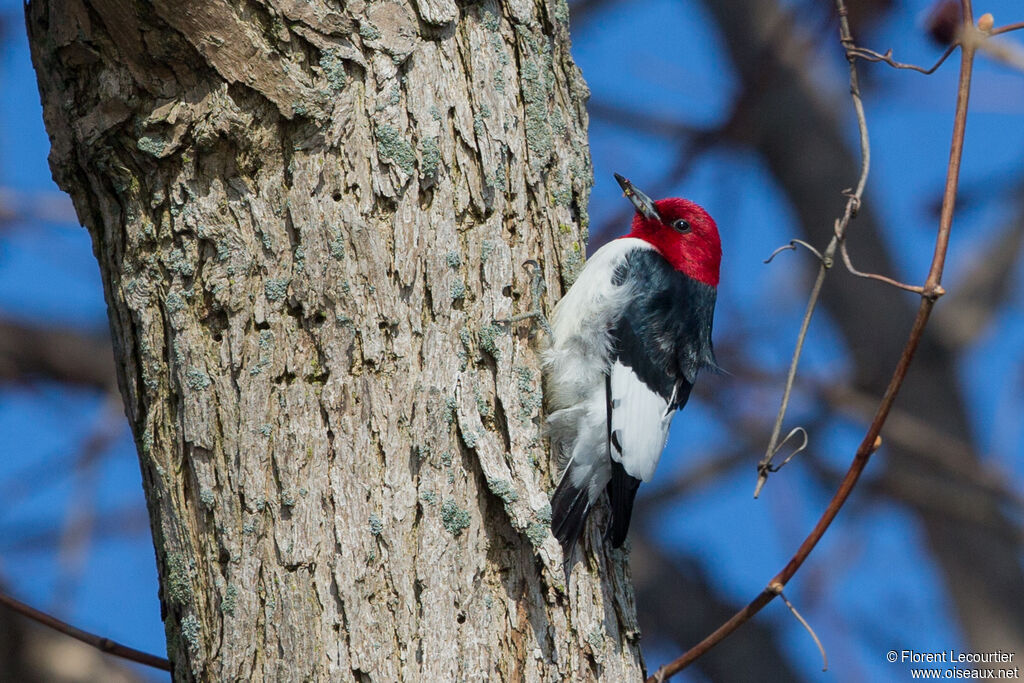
point(682, 232)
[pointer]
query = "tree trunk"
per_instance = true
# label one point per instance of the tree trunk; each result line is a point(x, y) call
point(307, 216)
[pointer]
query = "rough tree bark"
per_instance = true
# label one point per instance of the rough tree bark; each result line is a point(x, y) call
point(306, 215)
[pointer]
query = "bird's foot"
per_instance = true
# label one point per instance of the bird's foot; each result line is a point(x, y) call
point(537, 289)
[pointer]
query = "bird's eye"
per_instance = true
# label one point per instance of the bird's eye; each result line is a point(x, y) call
point(681, 225)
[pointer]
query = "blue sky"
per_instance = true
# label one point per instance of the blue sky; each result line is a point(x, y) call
point(881, 590)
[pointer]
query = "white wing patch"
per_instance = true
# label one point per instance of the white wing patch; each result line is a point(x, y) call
point(640, 422)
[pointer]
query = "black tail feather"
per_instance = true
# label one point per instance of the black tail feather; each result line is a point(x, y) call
point(569, 509)
point(621, 493)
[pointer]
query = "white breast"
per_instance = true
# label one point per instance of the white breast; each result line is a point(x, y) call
point(579, 355)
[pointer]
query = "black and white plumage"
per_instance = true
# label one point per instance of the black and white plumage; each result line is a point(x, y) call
point(628, 341)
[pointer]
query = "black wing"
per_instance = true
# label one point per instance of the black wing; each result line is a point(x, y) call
point(662, 340)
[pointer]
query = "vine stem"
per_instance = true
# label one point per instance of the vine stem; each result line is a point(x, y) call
point(764, 467)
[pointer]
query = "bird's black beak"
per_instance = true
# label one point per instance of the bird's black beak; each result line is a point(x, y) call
point(644, 205)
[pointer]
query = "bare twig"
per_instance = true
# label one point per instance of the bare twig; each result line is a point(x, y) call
point(872, 56)
point(792, 246)
point(1006, 29)
point(853, 203)
point(821, 648)
point(796, 451)
point(917, 289)
point(765, 466)
point(99, 642)
point(872, 439)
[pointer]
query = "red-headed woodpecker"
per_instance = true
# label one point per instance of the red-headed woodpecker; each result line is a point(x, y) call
point(628, 340)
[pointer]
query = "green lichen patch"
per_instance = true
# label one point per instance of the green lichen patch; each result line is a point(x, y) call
point(450, 406)
point(561, 195)
point(453, 259)
point(530, 399)
point(536, 533)
point(454, 518)
point(196, 379)
point(499, 179)
point(179, 263)
point(368, 31)
point(178, 582)
point(190, 631)
point(486, 247)
point(544, 515)
point(498, 46)
point(431, 155)
point(538, 129)
point(393, 147)
point(457, 290)
point(573, 265)
point(503, 489)
point(561, 11)
point(490, 18)
point(376, 525)
point(479, 119)
point(334, 70)
point(151, 145)
point(230, 600)
point(337, 244)
point(483, 406)
point(266, 344)
point(174, 302)
point(276, 289)
point(488, 336)
point(463, 352)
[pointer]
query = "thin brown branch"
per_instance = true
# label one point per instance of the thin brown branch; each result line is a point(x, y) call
point(99, 642)
point(792, 247)
point(917, 289)
point(1007, 29)
point(872, 56)
point(932, 285)
point(872, 439)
